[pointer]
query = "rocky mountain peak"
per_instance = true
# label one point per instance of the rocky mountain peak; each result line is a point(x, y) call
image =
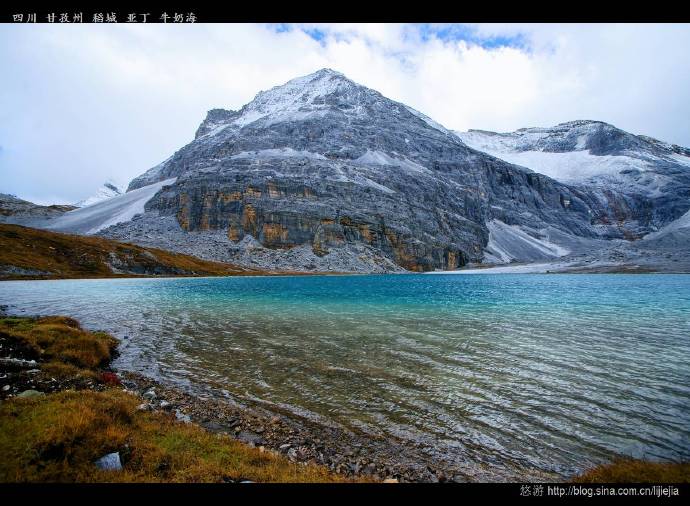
point(300, 95)
point(584, 122)
point(112, 187)
point(108, 190)
point(322, 115)
point(310, 95)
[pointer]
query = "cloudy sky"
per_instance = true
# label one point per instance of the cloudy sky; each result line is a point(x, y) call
point(83, 103)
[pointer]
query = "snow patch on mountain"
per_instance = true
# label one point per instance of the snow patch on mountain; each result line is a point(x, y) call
point(109, 190)
point(101, 215)
point(591, 153)
point(429, 121)
point(508, 243)
point(381, 158)
point(572, 167)
point(279, 153)
point(682, 159)
point(534, 268)
point(568, 167)
point(297, 99)
point(151, 175)
point(681, 223)
point(358, 179)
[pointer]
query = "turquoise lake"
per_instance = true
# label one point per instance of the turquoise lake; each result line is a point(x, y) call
point(552, 372)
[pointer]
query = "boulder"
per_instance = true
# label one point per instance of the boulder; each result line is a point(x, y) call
point(110, 462)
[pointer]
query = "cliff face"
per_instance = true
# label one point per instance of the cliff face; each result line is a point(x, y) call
point(284, 212)
point(324, 162)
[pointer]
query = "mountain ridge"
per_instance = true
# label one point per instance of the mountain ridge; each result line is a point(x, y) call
point(321, 173)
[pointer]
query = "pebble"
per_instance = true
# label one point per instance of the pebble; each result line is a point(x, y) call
point(149, 394)
point(250, 438)
point(212, 426)
point(165, 404)
point(182, 417)
point(5, 388)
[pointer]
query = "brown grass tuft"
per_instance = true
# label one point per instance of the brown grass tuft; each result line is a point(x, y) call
point(60, 340)
point(637, 471)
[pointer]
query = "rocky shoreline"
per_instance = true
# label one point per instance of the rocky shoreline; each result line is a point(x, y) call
point(346, 454)
point(302, 440)
point(71, 417)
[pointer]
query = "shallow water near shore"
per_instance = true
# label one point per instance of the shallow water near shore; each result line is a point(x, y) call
point(547, 372)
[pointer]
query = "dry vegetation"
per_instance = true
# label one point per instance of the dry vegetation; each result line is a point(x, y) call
point(57, 437)
point(637, 471)
point(58, 339)
point(53, 255)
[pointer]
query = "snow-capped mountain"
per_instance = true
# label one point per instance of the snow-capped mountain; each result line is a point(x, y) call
point(604, 161)
point(322, 173)
point(323, 95)
point(585, 152)
point(322, 169)
point(108, 190)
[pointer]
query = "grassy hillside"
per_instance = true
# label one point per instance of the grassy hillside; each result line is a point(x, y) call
point(27, 253)
point(57, 438)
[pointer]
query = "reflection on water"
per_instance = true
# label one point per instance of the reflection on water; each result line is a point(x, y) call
point(555, 372)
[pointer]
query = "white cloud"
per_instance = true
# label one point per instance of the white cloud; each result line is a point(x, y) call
point(79, 104)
